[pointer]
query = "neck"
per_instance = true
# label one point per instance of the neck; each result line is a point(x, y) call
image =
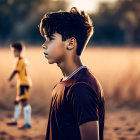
point(70, 65)
point(18, 57)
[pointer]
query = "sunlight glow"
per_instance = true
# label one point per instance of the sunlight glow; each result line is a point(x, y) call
point(87, 5)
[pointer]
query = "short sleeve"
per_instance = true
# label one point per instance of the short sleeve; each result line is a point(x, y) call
point(84, 103)
point(19, 65)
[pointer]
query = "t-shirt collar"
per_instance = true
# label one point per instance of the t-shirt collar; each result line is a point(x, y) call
point(74, 72)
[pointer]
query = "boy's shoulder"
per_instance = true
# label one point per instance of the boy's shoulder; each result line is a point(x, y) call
point(79, 84)
point(85, 79)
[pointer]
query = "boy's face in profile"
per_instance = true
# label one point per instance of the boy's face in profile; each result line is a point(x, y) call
point(15, 52)
point(54, 48)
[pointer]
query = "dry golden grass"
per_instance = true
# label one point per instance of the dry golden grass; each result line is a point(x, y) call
point(118, 70)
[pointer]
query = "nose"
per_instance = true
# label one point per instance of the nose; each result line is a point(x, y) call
point(44, 46)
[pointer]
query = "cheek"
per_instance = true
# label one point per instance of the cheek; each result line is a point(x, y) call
point(56, 50)
point(15, 54)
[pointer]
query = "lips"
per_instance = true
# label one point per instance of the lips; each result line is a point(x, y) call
point(46, 55)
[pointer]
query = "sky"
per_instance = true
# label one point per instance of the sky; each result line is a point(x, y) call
point(87, 5)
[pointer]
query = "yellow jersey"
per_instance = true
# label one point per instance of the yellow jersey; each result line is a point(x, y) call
point(23, 77)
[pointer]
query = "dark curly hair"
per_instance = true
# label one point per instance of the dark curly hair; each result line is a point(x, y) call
point(69, 24)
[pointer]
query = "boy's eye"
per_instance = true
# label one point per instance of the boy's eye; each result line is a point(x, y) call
point(51, 38)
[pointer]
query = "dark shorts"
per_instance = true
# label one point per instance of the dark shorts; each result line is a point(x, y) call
point(23, 93)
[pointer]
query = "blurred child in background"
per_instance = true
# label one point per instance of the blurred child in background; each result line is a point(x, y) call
point(23, 86)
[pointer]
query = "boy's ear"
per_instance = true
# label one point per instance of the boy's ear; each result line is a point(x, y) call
point(72, 43)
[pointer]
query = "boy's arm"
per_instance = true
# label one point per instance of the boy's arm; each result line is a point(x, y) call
point(16, 70)
point(85, 108)
point(12, 75)
point(89, 131)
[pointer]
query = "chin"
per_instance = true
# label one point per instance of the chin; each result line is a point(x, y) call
point(51, 61)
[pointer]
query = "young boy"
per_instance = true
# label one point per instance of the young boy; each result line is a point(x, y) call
point(23, 86)
point(77, 105)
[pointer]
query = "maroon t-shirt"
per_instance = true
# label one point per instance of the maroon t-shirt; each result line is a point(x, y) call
point(74, 102)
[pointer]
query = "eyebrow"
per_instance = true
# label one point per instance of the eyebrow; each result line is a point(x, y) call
point(52, 35)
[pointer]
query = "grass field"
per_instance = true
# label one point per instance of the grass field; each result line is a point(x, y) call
point(117, 69)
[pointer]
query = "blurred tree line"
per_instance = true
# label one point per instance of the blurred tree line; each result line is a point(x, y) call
point(19, 19)
point(115, 24)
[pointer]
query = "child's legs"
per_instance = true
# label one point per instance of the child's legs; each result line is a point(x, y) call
point(23, 97)
point(27, 111)
point(17, 110)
